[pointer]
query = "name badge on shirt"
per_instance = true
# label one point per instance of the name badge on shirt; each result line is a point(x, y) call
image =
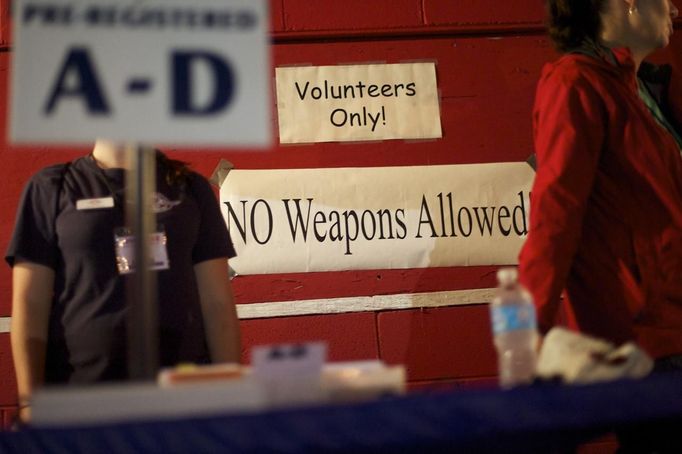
point(125, 251)
point(94, 204)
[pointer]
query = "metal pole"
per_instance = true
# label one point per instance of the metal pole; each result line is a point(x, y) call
point(143, 326)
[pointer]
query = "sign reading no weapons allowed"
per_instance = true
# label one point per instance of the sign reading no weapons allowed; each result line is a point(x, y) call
point(376, 217)
point(157, 71)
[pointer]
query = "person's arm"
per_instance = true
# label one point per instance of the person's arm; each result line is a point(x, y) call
point(569, 118)
point(32, 288)
point(218, 310)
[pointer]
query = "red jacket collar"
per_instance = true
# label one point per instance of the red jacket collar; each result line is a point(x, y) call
point(626, 65)
point(624, 70)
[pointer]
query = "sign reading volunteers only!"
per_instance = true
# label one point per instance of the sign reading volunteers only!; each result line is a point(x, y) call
point(357, 102)
point(155, 71)
point(305, 220)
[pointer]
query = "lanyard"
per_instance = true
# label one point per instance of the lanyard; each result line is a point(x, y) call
point(655, 110)
point(119, 200)
point(159, 200)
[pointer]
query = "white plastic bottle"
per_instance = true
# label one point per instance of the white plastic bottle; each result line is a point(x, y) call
point(514, 327)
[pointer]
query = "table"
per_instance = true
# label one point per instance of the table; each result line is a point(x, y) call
point(539, 418)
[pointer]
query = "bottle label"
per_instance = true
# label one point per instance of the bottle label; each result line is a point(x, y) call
point(512, 318)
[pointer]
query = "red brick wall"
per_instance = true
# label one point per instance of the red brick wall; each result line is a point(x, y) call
point(488, 55)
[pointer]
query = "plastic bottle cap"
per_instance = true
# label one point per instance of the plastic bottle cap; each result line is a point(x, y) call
point(507, 275)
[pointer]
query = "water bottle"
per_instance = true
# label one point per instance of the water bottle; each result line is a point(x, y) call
point(514, 327)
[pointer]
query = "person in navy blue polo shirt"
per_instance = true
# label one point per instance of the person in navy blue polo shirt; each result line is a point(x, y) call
point(70, 255)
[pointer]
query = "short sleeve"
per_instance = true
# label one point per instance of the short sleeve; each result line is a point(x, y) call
point(34, 238)
point(214, 239)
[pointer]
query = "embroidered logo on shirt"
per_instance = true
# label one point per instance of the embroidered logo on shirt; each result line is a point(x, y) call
point(161, 203)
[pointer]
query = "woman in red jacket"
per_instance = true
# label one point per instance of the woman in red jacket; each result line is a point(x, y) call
point(606, 204)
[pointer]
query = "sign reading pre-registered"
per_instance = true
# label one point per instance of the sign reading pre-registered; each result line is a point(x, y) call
point(155, 71)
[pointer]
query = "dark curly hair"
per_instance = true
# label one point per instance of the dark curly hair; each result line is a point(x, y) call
point(570, 22)
point(175, 172)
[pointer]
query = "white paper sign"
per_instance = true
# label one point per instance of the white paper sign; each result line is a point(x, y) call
point(291, 373)
point(357, 102)
point(301, 220)
point(157, 71)
point(288, 361)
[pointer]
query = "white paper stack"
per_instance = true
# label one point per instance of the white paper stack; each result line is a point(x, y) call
point(286, 375)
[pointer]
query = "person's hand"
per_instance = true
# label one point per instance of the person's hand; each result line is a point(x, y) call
point(25, 414)
point(22, 417)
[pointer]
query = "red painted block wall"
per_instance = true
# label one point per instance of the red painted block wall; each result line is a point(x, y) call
point(488, 56)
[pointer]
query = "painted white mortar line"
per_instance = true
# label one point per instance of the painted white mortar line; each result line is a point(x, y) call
point(350, 304)
point(4, 324)
point(365, 303)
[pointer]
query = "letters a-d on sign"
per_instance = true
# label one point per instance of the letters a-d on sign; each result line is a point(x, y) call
point(156, 71)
